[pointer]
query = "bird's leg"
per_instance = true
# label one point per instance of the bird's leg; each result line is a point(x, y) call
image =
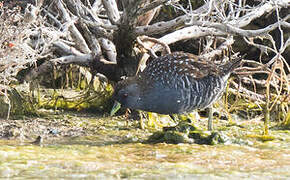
point(142, 124)
point(127, 113)
point(210, 118)
point(174, 117)
point(185, 118)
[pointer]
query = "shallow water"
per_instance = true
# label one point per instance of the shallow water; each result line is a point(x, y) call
point(113, 149)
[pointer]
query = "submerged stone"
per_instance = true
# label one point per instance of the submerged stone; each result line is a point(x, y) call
point(186, 132)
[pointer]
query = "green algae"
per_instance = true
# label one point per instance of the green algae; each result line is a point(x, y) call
point(27, 99)
point(85, 146)
point(186, 132)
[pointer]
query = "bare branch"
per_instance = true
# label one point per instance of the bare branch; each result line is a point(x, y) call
point(154, 40)
point(229, 41)
point(66, 49)
point(77, 36)
point(101, 30)
point(150, 6)
point(197, 31)
point(112, 10)
point(185, 33)
point(160, 27)
point(83, 60)
point(91, 40)
point(234, 30)
point(110, 49)
point(30, 13)
point(251, 95)
point(152, 53)
point(263, 48)
point(97, 6)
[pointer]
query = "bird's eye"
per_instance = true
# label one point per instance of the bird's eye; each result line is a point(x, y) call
point(125, 94)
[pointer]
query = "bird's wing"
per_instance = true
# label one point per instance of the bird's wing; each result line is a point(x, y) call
point(189, 65)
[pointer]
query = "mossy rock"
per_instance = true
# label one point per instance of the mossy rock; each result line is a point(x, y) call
point(185, 132)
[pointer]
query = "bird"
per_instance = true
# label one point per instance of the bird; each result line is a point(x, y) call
point(175, 83)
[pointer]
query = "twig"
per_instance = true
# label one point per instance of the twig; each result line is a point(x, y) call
point(229, 41)
point(250, 95)
point(157, 41)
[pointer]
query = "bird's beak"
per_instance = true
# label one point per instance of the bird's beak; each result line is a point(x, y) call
point(115, 108)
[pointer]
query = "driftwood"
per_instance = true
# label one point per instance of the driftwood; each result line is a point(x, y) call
point(108, 33)
point(116, 37)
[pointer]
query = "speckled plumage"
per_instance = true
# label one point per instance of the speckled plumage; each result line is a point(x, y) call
point(175, 83)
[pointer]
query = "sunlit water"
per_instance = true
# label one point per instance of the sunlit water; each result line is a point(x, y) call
point(108, 156)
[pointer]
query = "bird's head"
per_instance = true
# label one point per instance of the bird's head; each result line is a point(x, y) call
point(127, 94)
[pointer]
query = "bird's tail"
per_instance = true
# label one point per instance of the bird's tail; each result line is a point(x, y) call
point(230, 66)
